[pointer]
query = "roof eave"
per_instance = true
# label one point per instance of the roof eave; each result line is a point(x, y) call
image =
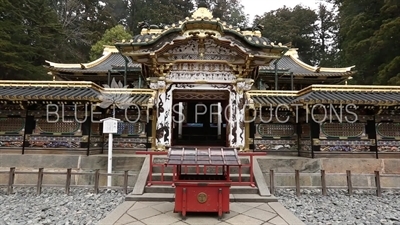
point(106, 54)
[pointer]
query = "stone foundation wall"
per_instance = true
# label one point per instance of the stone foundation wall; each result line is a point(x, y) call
point(335, 169)
point(284, 167)
point(60, 163)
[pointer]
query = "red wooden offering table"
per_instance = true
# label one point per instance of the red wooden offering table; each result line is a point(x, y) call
point(197, 189)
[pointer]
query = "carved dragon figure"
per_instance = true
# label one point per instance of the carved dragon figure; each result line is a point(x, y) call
point(257, 27)
point(146, 25)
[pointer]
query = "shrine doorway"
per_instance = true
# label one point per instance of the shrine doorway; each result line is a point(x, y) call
point(199, 118)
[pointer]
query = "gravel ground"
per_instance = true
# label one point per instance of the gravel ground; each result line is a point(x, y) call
point(53, 207)
point(86, 208)
point(340, 208)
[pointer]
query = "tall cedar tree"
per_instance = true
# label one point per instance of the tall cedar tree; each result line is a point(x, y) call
point(296, 26)
point(386, 44)
point(29, 34)
point(359, 20)
point(326, 33)
point(368, 37)
point(84, 22)
point(157, 12)
point(230, 11)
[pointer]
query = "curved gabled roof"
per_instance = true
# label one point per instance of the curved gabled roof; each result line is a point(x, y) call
point(329, 94)
point(202, 19)
point(110, 60)
point(290, 63)
point(152, 36)
point(62, 91)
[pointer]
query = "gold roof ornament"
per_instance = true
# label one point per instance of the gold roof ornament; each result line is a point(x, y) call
point(202, 13)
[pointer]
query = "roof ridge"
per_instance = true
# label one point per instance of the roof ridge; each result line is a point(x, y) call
point(80, 65)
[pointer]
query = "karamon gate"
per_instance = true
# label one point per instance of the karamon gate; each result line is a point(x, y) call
point(201, 69)
point(201, 83)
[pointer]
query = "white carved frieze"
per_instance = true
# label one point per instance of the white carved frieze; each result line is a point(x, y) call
point(206, 67)
point(192, 50)
point(196, 76)
point(161, 84)
point(157, 84)
point(188, 51)
point(204, 72)
point(154, 85)
point(214, 51)
point(244, 85)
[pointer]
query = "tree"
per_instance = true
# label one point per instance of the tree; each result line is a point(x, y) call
point(385, 43)
point(29, 34)
point(292, 25)
point(83, 23)
point(326, 33)
point(110, 37)
point(157, 12)
point(369, 30)
point(230, 11)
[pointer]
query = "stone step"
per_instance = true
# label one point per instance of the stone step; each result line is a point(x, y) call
point(163, 159)
point(168, 177)
point(169, 197)
point(169, 189)
point(210, 169)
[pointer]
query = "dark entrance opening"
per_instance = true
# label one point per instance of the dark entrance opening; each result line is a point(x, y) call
point(201, 125)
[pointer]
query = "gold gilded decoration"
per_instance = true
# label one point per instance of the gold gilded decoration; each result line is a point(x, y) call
point(202, 33)
point(252, 33)
point(202, 197)
point(151, 31)
point(202, 13)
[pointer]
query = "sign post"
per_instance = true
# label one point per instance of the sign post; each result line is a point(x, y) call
point(110, 127)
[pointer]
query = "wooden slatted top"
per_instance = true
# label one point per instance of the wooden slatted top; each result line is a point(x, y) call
point(210, 156)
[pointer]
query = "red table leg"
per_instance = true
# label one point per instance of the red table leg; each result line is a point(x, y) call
point(184, 205)
point(220, 204)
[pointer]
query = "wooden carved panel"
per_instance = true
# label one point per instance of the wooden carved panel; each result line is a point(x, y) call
point(209, 50)
point(209, 95)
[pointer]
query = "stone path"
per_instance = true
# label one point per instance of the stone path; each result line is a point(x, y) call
point(149, 213)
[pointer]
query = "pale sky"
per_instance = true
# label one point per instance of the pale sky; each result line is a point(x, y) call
point(259, 7)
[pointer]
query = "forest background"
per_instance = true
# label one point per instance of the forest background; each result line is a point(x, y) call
point(340, 33)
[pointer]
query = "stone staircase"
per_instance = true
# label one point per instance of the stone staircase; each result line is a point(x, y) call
point(238, 193)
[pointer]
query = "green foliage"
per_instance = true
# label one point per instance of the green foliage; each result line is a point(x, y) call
point(364, 33)
point(385, 43)
point(110, 37)
point(230, 11)
point(326, 33)
point(83, 23)
point(157, 12)
point(292, 25)
point(369, 34)
point(29, 34)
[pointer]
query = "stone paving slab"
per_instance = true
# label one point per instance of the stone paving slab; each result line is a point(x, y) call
point(160, 213)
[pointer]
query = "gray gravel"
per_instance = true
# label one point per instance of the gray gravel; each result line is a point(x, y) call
point(54, 207)
point(86, 208)
point(340, 208)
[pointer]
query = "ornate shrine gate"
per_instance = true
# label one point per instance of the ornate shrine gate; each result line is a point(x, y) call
point(201, 61)
point(186, 82)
